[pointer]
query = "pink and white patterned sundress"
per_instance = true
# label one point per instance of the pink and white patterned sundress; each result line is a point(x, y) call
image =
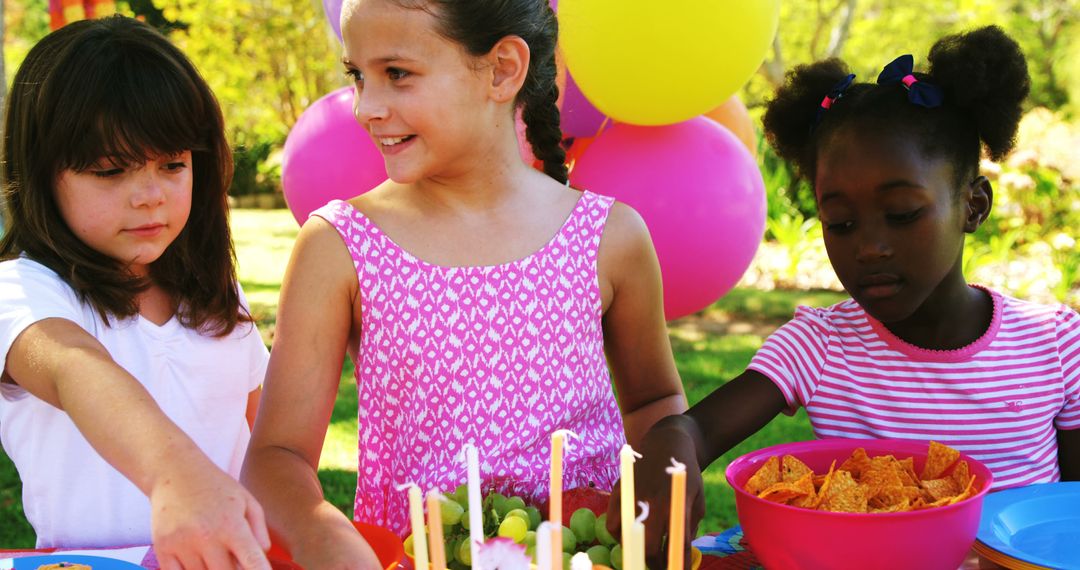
point(498, 356)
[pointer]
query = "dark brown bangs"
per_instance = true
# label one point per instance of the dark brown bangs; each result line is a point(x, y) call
point(123, 105)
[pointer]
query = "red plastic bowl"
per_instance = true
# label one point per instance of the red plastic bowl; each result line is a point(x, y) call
point(785, 537)
point(387, 547)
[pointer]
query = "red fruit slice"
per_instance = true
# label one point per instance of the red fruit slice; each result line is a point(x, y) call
point(592, 498)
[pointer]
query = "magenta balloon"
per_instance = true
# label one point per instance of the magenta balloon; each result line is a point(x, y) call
point(332, 8)
point(579, 117)
point(700, 193)
point(328, 156)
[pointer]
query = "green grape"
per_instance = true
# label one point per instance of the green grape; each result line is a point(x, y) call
point(534, 517)
point(514, 528)
point(602, 533)
point(495, 501)
point(465, 519)
point(530, 538)
point(451, 513)
point(456, 565)
point(408, 544)
point(520, 513)
point(616, 557)
point(515, 503)
point(464, 553)
point(566, 556)
point(583, 523)
point(599, 554)
point(461, 495)
point(569, 540)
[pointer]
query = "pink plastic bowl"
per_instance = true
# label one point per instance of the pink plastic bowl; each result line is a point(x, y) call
point(784, 537)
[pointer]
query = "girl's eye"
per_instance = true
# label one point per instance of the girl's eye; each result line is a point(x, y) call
point(904, 217)
point(175, 166)
point(838, 228)
point(355, 75)
point(395, 73)
point(107, 172)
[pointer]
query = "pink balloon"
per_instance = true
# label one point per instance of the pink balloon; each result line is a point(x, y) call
point(332, 8)
point(700, 193)
point(579, 117)
point(328, 156)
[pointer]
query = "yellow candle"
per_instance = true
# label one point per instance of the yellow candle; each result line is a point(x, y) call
point(416, 518)
point(626, 491)
point(637, 547)
point(555, 496)
point(438, 549)
point(676, 525)
point(634, 550)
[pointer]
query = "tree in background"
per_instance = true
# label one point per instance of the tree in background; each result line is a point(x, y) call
point(867, 34)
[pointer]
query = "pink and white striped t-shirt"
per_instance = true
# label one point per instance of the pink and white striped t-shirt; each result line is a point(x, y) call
point(999, 399)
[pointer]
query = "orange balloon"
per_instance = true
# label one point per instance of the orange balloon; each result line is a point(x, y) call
point(733, 116)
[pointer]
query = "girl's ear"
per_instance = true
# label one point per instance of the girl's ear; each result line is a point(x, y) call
point(979, 198)
point(509, 60)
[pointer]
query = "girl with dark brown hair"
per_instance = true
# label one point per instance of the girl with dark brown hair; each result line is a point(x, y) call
point(130, 359)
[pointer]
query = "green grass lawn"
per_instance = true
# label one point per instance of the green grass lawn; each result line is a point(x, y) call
point(709, 350)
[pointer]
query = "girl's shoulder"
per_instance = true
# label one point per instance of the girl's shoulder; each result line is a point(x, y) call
point(29, 274)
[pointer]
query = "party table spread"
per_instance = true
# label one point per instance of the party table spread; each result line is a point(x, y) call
point(721, 551)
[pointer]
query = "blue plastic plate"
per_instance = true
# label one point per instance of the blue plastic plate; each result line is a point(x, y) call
point(95, 562)
point(1038, 524)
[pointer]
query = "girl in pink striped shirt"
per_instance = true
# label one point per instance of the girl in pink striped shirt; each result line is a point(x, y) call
point(916, 353)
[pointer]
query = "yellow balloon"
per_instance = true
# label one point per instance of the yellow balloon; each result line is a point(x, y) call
point(657, 62)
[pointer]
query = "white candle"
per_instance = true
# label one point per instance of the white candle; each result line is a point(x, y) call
point(543, 547)
point(476, 513)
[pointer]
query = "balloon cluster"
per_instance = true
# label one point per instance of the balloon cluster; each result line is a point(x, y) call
point(650, 118)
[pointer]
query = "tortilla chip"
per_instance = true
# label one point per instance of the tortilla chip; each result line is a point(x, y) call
point(908, 475)
point(882, 472)
point(938, 489)
point(940, 458)
point(792, 469)
point(857, 463)
point(767, 476)
point(789, 492)
point(844, 495)
point(961, 473)
point(969, 491)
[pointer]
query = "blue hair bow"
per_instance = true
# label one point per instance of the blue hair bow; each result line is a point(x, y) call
point(919, 92)
point(835, 93)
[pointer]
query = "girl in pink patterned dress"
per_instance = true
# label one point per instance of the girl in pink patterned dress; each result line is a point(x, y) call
point(476, 296)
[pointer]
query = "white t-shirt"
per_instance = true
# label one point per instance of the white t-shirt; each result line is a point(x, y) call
point(71, 496)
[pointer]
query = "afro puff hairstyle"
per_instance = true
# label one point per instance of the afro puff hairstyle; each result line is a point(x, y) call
point(982, 73)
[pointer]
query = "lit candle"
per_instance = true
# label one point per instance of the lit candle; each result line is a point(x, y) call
point(543, 547)
point(438, 548)
point(626, 491)
point(416, 521)
point(476, 514)
point(676, 525)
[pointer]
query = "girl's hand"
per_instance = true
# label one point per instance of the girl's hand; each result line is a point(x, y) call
point(672, 437)
point(202, 518)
